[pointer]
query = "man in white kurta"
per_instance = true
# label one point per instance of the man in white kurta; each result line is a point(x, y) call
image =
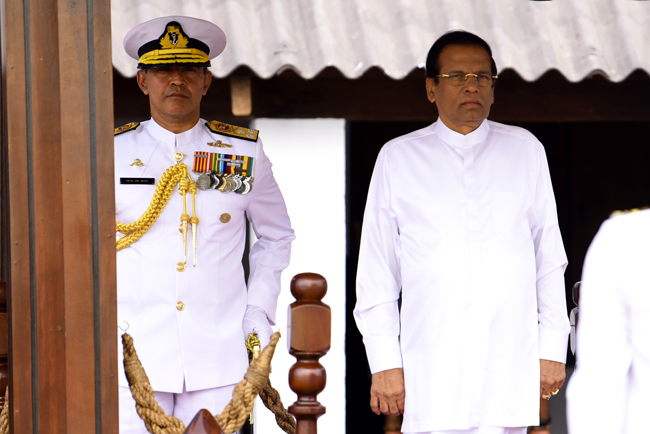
point(461, 222)
point(609, 391)
point(188, 311)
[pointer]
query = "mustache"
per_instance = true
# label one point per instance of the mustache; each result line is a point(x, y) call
point(176, 90)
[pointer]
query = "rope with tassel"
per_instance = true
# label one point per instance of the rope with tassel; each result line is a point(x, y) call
point(270, 396)
point(231, 419)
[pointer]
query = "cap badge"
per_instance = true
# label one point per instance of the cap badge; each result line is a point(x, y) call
point(173, 38)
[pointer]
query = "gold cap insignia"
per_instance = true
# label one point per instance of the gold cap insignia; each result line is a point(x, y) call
point(173, 38)
point(174, 47)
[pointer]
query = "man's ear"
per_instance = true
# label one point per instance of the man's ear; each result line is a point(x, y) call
point(207, 80)
point(142, 82)
point(431, 89)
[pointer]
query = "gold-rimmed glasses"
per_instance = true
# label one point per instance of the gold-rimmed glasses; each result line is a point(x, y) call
point(484, 79)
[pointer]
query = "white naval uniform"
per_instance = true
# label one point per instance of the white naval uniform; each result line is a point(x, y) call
point(609, 392)
point(466, 227)
point(201, 346)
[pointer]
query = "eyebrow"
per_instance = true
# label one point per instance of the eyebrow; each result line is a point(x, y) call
point(458, 71)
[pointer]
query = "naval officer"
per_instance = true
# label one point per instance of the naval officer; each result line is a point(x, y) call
point(461, 223)
point(185, 189)
point(609, 391)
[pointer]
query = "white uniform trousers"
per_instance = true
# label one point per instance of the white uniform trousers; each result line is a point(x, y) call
point(182, 405)
point(479, 430)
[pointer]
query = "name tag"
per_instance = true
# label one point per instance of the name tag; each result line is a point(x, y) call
point(138, 181)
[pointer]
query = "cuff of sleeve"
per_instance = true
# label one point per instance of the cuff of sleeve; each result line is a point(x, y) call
point(552, 345)
point(383, 354)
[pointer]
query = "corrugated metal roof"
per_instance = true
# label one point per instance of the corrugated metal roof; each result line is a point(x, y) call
point(576, 37)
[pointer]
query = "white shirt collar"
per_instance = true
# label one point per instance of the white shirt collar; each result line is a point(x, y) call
point(166, 136)
point(459, 140)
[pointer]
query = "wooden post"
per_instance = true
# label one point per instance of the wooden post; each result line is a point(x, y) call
point(203, 423)
point(4, 343)
point(60, 228)
point(309, 339)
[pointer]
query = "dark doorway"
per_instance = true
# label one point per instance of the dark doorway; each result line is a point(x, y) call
point(596, 168)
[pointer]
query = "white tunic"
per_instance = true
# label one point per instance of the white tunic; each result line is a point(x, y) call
point(466, 227)
point(203, 344)
point(609, 391)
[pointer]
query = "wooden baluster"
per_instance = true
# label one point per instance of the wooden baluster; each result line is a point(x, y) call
point(4, 343)
point(203, 423)
point(309, 339)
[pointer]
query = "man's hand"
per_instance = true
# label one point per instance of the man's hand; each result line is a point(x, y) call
point(552, 375)
point(256, 321)
point(387, 392)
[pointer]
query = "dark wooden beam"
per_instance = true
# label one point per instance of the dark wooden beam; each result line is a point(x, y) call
point(57, 105)
point(376, 97)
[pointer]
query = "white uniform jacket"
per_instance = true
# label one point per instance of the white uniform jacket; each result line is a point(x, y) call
point(202, 344)
point(609, 391)
point(466, 227)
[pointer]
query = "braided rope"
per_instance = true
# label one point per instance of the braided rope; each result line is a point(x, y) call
point(272, 401)
point(154, 417)
point(4, 415)
point(230, 420)
point(270, 396)
point(177, 173)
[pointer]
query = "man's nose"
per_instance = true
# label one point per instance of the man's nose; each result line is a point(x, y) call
point(471, 84)
point(177, 78)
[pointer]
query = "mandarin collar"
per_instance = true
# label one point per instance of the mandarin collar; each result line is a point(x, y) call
point(459, 140)
point(172, 139)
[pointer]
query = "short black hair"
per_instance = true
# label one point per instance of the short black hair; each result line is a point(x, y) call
point(454, 37)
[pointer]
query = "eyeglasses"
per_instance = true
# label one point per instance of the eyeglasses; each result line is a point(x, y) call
point(460, 78)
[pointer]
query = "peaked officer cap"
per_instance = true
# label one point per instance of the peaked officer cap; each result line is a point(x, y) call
point(165, 42)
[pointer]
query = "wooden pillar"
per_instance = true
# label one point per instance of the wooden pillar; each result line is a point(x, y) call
point(4, 343)
point(310, 322)
point(58, 146)
point(203, 423)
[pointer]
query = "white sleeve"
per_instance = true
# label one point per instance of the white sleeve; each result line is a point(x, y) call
point(378, 277)
point(270, 254)
point(598, 390)
point(551, 261)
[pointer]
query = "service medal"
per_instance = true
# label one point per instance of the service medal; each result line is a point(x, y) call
point(227, 185)
point(216, 181)
point(245, 187)
point(203, 182)
point(238, 182)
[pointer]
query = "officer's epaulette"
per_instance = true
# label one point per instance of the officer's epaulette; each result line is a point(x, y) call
point(627, 211)
point(124, 128)
point(232, 130)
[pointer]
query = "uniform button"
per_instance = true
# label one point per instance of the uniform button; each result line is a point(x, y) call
point(180, 266)
point(224, 218)
point(180, 305)
point(178, 156)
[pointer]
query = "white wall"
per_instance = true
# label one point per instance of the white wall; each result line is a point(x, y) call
point(308, 157)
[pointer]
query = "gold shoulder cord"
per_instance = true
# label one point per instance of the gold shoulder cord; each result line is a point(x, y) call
point(176, 174)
